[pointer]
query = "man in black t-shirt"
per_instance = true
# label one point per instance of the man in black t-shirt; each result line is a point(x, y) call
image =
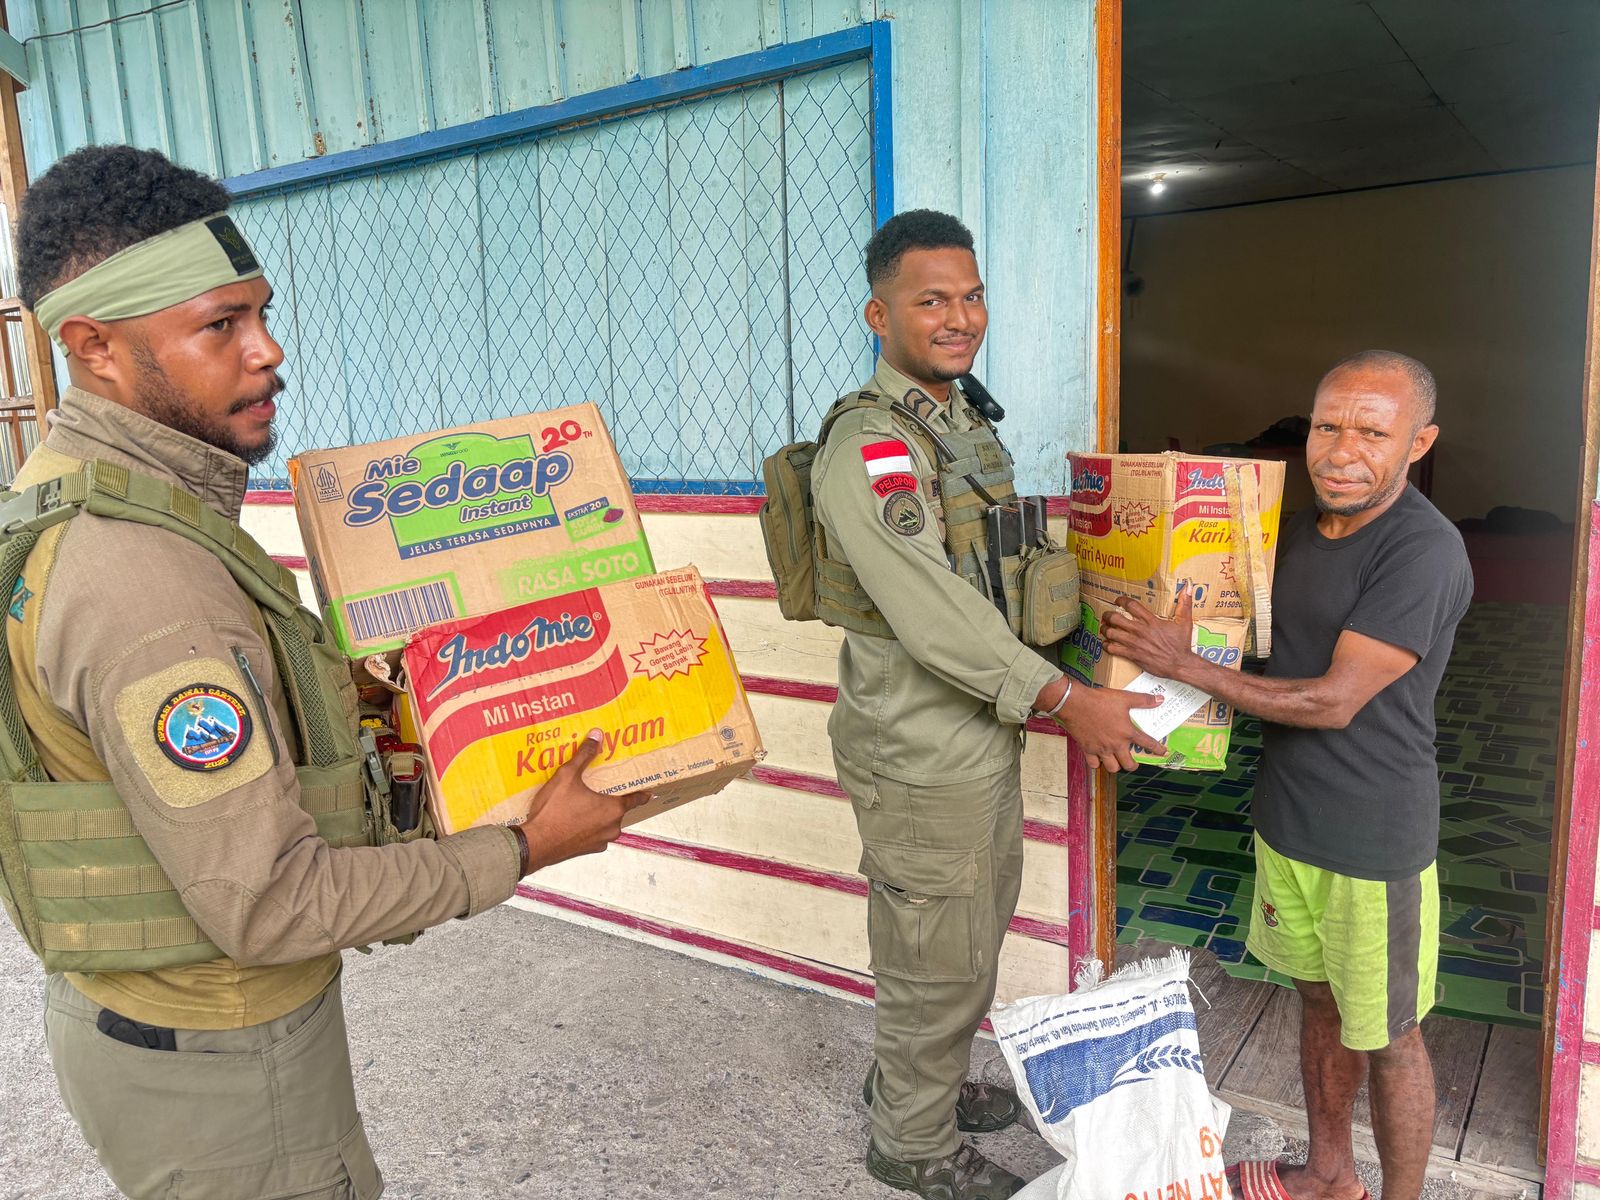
point(1368, 592)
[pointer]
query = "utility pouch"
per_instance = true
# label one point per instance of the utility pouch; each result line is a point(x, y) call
point(406, 811)
point(1050, 609)
point(386, 789)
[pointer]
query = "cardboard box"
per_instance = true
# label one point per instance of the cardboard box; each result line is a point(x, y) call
point(1201, 742)
point(1148, 525)
point(1144, 525)
point(408, 532)
point(502, 700)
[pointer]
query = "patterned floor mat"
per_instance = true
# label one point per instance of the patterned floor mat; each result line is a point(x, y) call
point(1183, 839)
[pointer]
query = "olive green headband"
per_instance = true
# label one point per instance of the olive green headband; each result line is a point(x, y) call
point(156, 273)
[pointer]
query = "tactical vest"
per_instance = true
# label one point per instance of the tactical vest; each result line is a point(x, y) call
point(79, 883)
point(964, 463)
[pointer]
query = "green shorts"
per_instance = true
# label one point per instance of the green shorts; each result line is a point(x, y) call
point(1374, 942)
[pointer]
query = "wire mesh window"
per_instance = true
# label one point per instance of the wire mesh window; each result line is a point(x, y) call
point(19, 427)
point(694, 269)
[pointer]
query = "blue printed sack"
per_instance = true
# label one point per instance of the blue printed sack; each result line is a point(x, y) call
point(1113, 1076)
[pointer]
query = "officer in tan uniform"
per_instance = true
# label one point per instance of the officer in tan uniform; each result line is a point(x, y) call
point(187, 842)
point(934, 687)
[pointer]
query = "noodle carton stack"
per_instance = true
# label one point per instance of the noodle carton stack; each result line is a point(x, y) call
point(500, 701)
point(403, 533)
point(1148, 525)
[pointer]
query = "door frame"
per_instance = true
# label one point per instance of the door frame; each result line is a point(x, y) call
point(1107, 348)
point(1573, 917)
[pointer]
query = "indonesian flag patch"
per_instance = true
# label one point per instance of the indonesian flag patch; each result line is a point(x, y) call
point(883, 457)
point(889, 467)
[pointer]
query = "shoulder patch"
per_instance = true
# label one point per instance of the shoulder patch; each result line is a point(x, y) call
point(204, 727)
point(903, 513)
point(190, 733)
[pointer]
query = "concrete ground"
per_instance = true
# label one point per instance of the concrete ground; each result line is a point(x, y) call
point(520, 1056)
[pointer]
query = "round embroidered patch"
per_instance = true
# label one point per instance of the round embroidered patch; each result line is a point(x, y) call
point(902, 512)
point(203, 727)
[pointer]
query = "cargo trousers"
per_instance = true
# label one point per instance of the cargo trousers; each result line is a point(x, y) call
point(234, 1114)
point(944, 867)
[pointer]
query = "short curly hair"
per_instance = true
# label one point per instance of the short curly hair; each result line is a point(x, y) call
point(97, 201)
point(918, 229)
point(1424, 388)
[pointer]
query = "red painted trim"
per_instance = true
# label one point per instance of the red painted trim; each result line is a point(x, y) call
point(707, 505)
point(850, 885)
point(1578, 921)
point(1044, 931)
point(1080, 861)
point(798, 781)
point(295, 562)
point(1058, 506)
point(799, 968)
point(1581, 1173)
point(269, 496)
point(1590, 1053)
point(1036, 830)
point(751, 589)
point(766, 685)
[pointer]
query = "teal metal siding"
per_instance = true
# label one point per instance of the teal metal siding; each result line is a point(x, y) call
point(236, 86)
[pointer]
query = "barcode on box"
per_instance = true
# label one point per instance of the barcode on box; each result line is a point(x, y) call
point(393, 613)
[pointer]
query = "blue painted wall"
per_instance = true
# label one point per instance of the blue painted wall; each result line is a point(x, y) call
point(993, 118)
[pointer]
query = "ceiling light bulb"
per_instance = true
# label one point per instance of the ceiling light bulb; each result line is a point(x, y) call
point(1157, 188)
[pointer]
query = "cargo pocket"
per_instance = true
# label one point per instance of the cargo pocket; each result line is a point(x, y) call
point(922, 912)
point(366, 1182)
point(348, 1172)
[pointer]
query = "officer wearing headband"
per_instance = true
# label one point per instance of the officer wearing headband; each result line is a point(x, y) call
point(185, 834)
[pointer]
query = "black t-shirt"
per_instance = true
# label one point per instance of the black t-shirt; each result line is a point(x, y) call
point(1363, 800)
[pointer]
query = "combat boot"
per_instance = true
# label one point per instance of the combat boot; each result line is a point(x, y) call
point(980, 1108)
point(964, 1175)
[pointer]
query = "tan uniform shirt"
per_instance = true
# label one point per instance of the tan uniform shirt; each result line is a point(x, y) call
point(943, 700)
point(113, 617)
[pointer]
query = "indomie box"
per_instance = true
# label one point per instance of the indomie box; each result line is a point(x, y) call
point(502, 700)
point(1145, 525)
point(1148, 525)
point(415, 530)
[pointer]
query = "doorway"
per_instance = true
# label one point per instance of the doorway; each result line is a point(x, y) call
point(1343, 177)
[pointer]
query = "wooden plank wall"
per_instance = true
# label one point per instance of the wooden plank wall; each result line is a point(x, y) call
point(764, 874)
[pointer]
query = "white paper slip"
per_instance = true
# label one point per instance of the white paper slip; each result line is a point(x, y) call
point(1179, 702)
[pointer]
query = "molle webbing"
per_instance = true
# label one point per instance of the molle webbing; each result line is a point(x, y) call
point(82, 886)
point(972, 472)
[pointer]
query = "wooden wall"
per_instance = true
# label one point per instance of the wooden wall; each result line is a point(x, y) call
point(764, 874)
